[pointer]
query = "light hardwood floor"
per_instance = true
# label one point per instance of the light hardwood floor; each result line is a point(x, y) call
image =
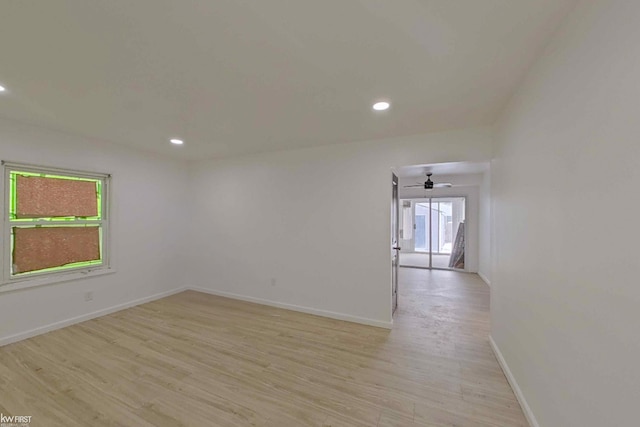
point(198, 360)
point(421, 260)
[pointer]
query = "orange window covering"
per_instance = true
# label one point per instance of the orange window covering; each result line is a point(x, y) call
point(39, 197)
point(46, 247)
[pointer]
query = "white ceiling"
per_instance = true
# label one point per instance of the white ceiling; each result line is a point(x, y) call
point(241, 76)
point(440, 169)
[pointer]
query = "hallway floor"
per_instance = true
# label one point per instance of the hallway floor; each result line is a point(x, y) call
point(445, 315)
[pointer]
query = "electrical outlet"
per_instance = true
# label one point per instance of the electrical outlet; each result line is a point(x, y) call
point(88, 296)
point(273, 282)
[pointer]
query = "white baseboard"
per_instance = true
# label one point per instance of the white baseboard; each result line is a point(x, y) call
point(302, 309)
point(483, 277)
point(103, 312)
point(73, 320)
point(514, 385)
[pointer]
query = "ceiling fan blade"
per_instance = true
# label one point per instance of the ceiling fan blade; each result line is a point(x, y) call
point(443, 185)
point(417, 185)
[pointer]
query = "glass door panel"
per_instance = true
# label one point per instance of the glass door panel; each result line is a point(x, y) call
point(438, 235)
point(406, 226)
point(422, 227)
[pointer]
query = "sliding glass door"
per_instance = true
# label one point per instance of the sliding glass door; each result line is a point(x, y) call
point(433, 233)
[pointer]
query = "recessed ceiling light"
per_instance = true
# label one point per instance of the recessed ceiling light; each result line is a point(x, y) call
point(381, 106)
point(2, 89)
point(177, 141)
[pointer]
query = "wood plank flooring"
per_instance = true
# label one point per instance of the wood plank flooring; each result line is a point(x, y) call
point(198, 360)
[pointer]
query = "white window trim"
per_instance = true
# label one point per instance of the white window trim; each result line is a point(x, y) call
point(9, 283)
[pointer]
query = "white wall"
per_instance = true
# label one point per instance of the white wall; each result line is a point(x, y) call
point(484, 230)
point(565, 316)
point(148, 208)
point(466, 185)
point(323, 233)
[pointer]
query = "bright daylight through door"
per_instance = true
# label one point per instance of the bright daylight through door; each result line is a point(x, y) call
point(433, 233)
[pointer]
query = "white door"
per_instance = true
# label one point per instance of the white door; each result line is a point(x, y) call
point(395, 231)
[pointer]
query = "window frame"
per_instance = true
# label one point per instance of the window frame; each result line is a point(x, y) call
point(10, 282)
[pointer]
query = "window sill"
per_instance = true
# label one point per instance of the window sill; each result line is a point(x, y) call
point(17, 285)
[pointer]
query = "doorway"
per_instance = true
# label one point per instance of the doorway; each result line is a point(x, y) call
point(433, 233)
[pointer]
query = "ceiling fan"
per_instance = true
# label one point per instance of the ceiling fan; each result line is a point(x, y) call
point(430, 185)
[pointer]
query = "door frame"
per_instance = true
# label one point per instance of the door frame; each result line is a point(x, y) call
point(395, 240)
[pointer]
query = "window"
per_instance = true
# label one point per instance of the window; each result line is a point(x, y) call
point(55, 223)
